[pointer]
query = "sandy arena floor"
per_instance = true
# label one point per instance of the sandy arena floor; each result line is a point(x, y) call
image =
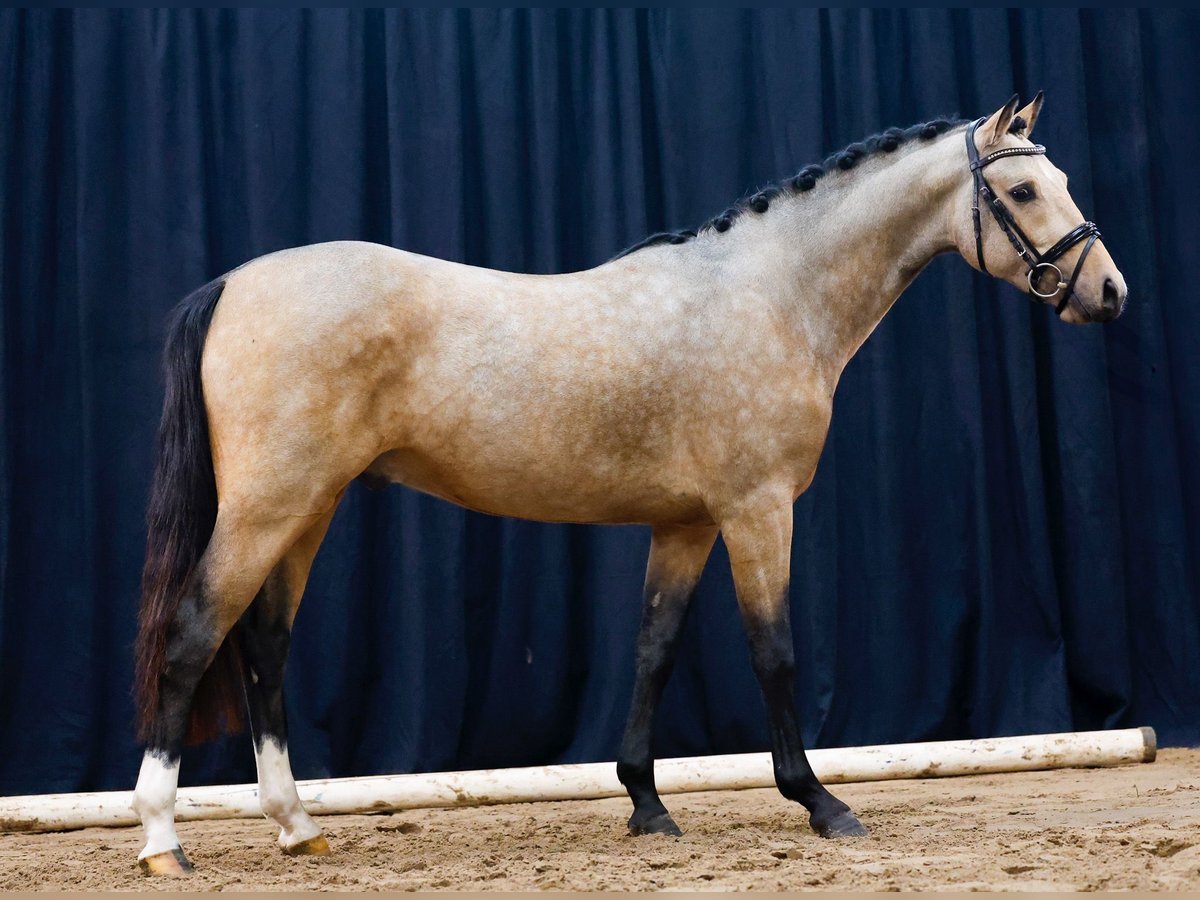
point(1132, 827)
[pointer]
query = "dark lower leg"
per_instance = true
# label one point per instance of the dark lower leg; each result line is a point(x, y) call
point(775, 667)
point(676, 560)
point(192, 640)
point(265, 638)
point(657, 643)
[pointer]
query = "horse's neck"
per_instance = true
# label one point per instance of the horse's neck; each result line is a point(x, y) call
point(839, 256)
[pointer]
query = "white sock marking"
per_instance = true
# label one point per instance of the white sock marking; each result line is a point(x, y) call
point(154, 802)
point(277, 793)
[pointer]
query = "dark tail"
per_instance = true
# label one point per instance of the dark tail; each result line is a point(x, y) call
point(180, 520)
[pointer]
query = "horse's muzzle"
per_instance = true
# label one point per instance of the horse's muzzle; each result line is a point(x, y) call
point(1112, 302)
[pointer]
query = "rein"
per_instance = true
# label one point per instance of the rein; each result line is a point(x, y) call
point(1039, 263)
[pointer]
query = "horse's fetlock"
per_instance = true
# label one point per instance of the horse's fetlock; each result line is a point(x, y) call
point(803, 788)
point(141, 804)
point(275, 805)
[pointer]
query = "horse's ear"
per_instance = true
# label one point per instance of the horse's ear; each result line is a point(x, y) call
point(996, 126)
point(1030, 113)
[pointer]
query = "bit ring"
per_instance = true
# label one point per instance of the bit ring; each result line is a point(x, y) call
point(1034, 277)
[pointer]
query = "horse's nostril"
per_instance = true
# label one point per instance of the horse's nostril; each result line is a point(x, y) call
point(1112, 296)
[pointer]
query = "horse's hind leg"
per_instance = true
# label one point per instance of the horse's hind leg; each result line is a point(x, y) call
point(241, 552)
point(265, 633)
point(677, 557)
point(759, 543)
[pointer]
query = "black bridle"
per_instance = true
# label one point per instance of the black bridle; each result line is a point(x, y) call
point(1039, 263)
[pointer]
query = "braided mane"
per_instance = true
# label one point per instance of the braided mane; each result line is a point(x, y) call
point(806, 179)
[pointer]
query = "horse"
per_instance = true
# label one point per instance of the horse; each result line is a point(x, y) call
point(686, 385)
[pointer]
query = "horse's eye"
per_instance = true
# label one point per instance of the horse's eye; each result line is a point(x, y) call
point(1022, 193)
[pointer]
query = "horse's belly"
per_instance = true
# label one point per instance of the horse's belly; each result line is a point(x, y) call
point(533, 492)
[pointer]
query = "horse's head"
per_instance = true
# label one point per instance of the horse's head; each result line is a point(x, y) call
point(1018, 222)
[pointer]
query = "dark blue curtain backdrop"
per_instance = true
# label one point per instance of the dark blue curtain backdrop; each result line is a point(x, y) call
point(1003, 533)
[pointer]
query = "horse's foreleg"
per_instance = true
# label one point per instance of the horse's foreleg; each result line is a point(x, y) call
point(265, 633)
point(759, 544)
point(677, 557)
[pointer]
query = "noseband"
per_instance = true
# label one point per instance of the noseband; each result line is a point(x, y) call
point(1039, 263)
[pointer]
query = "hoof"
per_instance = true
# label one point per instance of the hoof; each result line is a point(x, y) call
point(660, 824)
point(314, 846)
point(171, 863)
point(843, 825)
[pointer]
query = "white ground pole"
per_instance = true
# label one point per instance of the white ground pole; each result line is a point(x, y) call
point(388, 793)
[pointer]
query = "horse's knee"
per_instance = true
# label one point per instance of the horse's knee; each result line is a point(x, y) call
point(775, 666)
